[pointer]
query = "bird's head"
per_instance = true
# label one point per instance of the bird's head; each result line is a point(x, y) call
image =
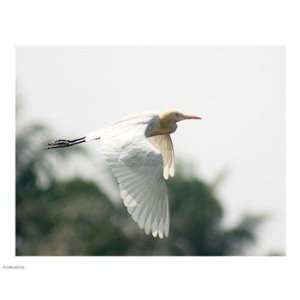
point(174, 116)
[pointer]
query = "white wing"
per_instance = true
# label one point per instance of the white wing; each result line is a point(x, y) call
point(138, 168)
point(164, 145)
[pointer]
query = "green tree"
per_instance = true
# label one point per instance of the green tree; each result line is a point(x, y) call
point(75, 217)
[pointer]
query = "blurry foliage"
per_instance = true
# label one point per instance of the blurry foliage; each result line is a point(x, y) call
point(74, 216)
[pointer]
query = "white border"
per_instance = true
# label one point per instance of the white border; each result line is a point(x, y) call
point(142, 22)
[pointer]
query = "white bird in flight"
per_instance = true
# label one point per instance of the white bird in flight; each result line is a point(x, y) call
point(139, 151)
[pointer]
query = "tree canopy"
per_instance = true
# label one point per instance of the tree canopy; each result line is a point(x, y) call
point(74, 216)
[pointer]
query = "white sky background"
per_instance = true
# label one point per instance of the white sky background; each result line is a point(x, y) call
point(239, 92)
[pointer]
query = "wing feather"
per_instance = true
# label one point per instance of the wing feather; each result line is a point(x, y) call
point(164, 145)
point(139, 170)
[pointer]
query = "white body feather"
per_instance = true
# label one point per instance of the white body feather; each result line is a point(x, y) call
point(140, 162)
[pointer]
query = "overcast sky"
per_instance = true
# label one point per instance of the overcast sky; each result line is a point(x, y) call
point(239, 91)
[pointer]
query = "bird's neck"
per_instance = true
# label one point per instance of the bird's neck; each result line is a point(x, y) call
point(165, 126)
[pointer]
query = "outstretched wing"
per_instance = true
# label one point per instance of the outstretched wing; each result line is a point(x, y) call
point(138, 168)
point(164, 145)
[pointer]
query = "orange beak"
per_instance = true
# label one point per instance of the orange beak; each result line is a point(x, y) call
point(191, 117)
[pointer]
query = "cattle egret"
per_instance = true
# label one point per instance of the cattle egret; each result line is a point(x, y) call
point(139, 151)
